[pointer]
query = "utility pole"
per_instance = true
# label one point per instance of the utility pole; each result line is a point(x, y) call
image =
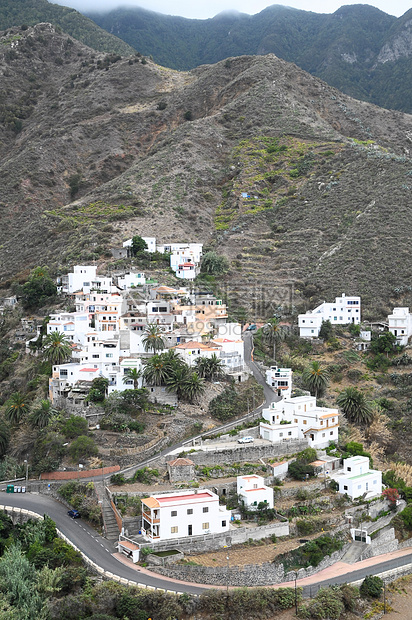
point(296, 593)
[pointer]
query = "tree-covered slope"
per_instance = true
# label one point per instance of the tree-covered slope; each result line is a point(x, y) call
point(31, 12)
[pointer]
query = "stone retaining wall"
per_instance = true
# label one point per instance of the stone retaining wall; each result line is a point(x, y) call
point(243, 453)
point(250, 575)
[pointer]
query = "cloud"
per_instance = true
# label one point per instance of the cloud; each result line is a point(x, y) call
point(203, 9)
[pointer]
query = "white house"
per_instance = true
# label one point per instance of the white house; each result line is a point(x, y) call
point(400, 325)
point(300, 418)
point(79, 279)
point(74, 325)
point(190, 351)
point(342, 311)
point(253, 491)
point(150, 242)
point(186, 271)
point(131, 280)
point(357, 479)
point(280, 379)
point(183, 513)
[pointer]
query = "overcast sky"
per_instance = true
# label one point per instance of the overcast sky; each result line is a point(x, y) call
point(202, 9)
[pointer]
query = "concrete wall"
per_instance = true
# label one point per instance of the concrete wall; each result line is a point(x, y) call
point(211, 542)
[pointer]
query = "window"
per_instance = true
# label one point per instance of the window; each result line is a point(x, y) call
point(349, 468)
point(174, 529)
point(359, 486)
point(223, 523)
point(205, 509)
point(190, 511)
point(321, 422)
point(331, 433)
point(205, 526)
point(280, 434)
point(63, 372)
point(94, 356)
point(323, 434)
point(109, 354)
point(305, 422)
point(345, 488)
point(375, 482)
point(173, 513)
point(295, 421)
point(290, 433)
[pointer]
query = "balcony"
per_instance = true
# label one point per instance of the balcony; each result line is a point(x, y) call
point(148, 518)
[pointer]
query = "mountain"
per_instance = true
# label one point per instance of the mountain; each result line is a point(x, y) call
point(358, 49)
point(95, 148)
point(31, 12)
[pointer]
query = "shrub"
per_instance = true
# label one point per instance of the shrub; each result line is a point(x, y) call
point(75, 426)
point(371, 586)
point(82, 448)
point(299, 470)
point(327, 604)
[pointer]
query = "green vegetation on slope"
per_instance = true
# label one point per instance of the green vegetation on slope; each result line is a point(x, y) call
point(31, 12)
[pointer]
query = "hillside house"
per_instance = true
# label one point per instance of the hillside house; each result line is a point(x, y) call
point(300, 418)
point(253, 491)
point(131, 280)
point(400, 325)
point(183, 513)
point(342, 311)
point(150, 242)
point(357, 479)
point(280, 379)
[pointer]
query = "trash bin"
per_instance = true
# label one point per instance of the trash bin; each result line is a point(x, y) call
point(10, 488)
point(17, 489)
point(23, 489)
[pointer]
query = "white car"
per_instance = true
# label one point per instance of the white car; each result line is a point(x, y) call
point(246, 439)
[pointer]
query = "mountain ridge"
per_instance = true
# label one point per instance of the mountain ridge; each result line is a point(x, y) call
point(95, 148)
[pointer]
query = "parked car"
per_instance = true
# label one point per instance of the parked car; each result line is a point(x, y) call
point(246, 439)
point(74, 514)
point(251, 328)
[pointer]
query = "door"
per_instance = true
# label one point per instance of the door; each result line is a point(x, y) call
point(189, 530)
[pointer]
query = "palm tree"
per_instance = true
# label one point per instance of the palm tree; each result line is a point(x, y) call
point(153, 339)
point(156, 370)
point(132, 374)
point(177, 378)
point(172, 359)
point(316, 378)
point(209, 367)
point(354, 405)
point(16, 408)
point(41, 413)
point(193, 387)
point(4, 437)
point(57, 348)
point(273, 333)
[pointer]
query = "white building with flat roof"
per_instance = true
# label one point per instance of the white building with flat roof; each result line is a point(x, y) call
point(183, 513)
point(400, 325)
point(280, 379)
point(358, 479)
point(253, 491)
point(342, 311)
point(300, 418)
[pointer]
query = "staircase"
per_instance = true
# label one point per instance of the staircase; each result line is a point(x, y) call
point(111, 529)
point(354, 552)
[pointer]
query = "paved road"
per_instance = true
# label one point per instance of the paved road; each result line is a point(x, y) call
point(99, 550)
point(96, 548)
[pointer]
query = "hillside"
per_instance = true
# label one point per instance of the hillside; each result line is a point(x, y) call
point(32, 12)
point(95, 147)
point(358, 49)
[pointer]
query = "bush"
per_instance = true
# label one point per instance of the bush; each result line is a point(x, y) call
point(299, 470)
point(327, 605)
point(75, 426)
point(82, 448)
point(371, 586)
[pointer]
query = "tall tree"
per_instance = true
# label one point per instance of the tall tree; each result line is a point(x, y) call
point(132, 374)
point(39, 289)
point(316, 378)
point(41, 413)
point(138, 245)
point(153, 339)
point(57, 349)
point(16, 408)
point(156, 371)
point(354, 405)
point(273, 333)
point(209, 367)
point(193, 387)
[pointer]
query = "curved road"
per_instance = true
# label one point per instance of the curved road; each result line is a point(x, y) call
point(99, 551)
